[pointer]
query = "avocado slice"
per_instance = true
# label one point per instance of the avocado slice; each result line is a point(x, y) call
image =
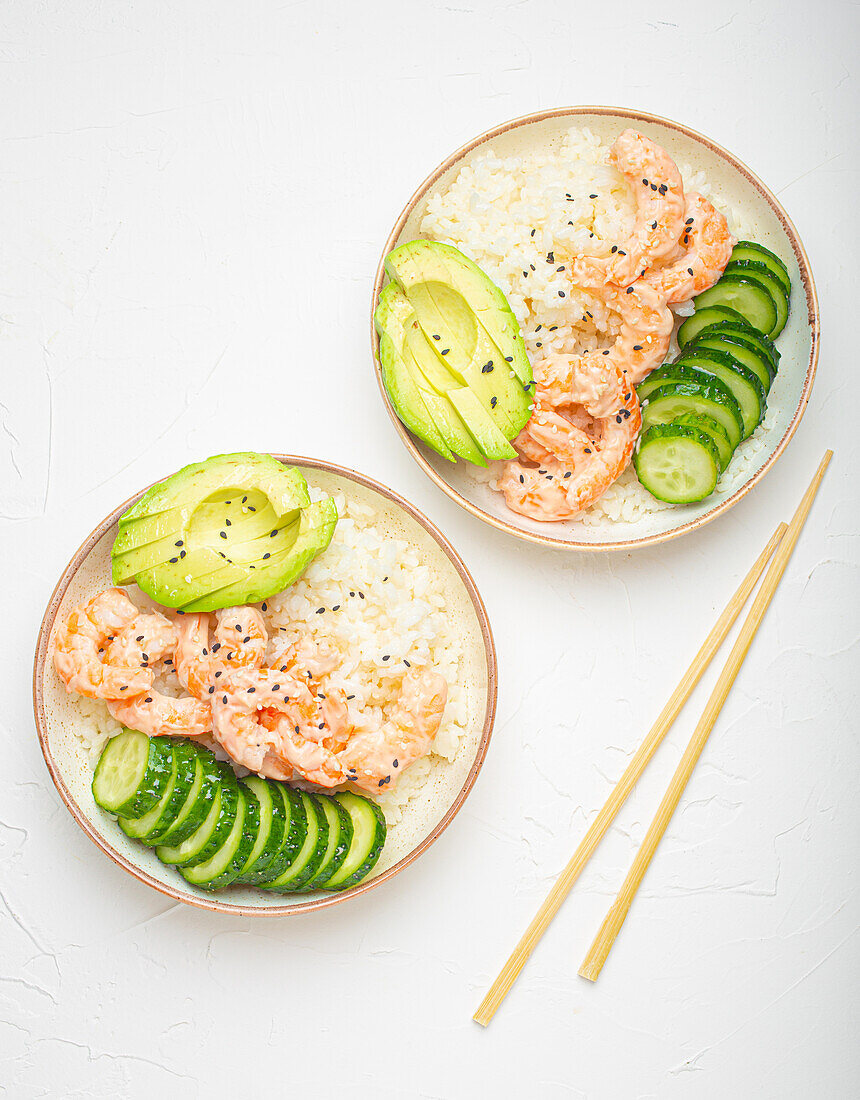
point(427, 262)
point(239, 527)
point(454, 331)
point(420, 389)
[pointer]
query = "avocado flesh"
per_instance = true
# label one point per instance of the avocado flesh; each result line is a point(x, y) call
point(219, 533)
point(462, 344)
point(312, 534)
point(400, 383)
point(405, 352)
point(431, 261)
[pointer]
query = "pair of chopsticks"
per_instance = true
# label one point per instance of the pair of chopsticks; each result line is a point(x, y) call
point(782, 543)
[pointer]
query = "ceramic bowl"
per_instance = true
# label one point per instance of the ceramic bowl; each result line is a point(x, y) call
point(425, 816)
point(733, 184)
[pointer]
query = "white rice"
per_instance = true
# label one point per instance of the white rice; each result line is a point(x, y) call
point(390, 610)
point(510, 215)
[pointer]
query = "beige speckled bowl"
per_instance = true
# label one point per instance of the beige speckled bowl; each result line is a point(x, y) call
point(733, 183)
point(426, 814)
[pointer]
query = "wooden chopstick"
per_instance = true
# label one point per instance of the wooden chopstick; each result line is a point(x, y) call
point(596, 957)
point(563, 884)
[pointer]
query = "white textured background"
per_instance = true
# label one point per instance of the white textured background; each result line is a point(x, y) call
point(193, 197)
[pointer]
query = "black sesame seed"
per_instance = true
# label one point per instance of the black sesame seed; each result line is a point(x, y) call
point(637, 347)
point(592, 196)
point(532, 233)
point(396, 764)
point(493, 401)
point(386, 657)
point(266, 555)
point(336, 607)
point(178, 543)
point(351, 697)
point(173, 561)
point(251, 690)
point(273, 533)
point(435, 337)
point(217, 674)
point(629, 290)
point(251, 508)
point(509, 358)
point(148, 699)
point(561, 294)
point(223, 534)
point(614, 248)
point(225, 698)
point(690, 270)
point(320, 611)
point(246, 639)
point(522, 480)
point(212, 690)
point(139, 638)
point(227, 522)
point(568, 473)
point(408, 665)
point(444, 351)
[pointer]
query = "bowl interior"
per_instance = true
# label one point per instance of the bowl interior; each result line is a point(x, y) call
point(59, 716)
point(763, 220)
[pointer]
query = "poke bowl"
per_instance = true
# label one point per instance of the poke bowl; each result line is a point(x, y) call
point(383, 592)
point(515, 223)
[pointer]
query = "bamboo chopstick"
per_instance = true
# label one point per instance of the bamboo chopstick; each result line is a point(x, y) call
point(596, 957)
point(563, 884)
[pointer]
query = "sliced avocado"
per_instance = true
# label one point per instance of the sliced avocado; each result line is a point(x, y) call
point(432, 261)
point(452, 328)
point(315, 530)
point(491, 441)
point(212, 527)
point(398, 379)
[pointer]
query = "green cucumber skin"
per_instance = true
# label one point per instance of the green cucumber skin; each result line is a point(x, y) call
point(300, 872)
point(195, 814)
point(274, 818)
point(245, 821)
point(691, 326)
point(340, 849)
point(716, 296)
point(293, 836)
point(186, 767)
point(746, 332)
point(181, 854)
point(140, 828)
point(342, 881)
point(226, 816)
point(712, 362)
point(734, 345)
point(156, 776)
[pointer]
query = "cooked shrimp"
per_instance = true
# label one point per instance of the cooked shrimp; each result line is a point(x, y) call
point(81, 645)
point(158, 715)
point(598, 380)
point(706, 247)
point(147, 639)
point(310, 658)
point(576, 465)
point(240, 642)
point(659, 190)
point(269, 721)
point(372, 757)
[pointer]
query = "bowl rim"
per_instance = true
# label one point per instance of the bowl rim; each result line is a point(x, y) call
point(215, 903)
point(807, 283)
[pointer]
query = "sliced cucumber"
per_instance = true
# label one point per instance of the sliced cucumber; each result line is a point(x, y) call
point(705, 316)
point(132, 774)
point(368, 839)
point(749, 393)
point(751, 358)
point(270, 825)
point(677, 463)
point(715, 430)
point(150, 828)
point(749, 269)
point(310, 855)
point(292, 806)
point(746, 296)
point(339, 840)
point(197, 805)
point(673, 399)
point(188, 851)
point(223, 865)
point(226, 814)
point(674, 372)
point(749, 250)
point(748, 335)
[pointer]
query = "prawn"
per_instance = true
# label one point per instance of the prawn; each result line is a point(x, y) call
point(81, 645)
point(705, 249)
point(240, 642)
point(156, 714)
point(371, 757)
point(598, 380)
point(656, 182)
point(269, 721)
point(576, 465)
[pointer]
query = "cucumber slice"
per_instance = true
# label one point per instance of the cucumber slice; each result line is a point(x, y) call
point(704, 317)
point(199, 801)
point(715, 430)
point(748, 335)
point(223, 865)
point(674, 372)
point(744, 295)
point(738, 349)
point(749, 250)
point(339, 840)
point(310, 855)
point(748, 391)
point(673, 399)
point(132, 773)
point(749, 269)
point(187, 852)
point(368, 840)
point(292, 808)
point(270, 825)
point(150, 828)
point(677, 463)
